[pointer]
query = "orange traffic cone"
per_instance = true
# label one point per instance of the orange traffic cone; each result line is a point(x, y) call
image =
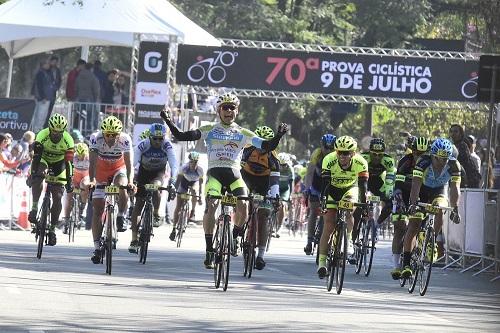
point(22, 220)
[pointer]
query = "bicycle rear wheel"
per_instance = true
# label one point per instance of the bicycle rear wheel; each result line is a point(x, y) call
point(249, 249)
point(42, 228)
point(181, 225)
point(272, 228)
point(414, 265)
point(340, 258)
point(369, 245)
point(427, 260)
point(109, 240)
point(145, 237)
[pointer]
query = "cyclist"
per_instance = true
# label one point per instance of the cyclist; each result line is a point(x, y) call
point(190, 173)
point(345, 177)
point(430, 176)
point(225, 142)
point(80, 180)
point(313, 183)
point(53, 151)
point(152, 155)
point(401, 197)
point(287, 176)
point(382, 170)
point(111, 158)
point(261, 172)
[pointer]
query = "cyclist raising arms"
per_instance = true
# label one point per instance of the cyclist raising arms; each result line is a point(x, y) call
point(111, 159)
point(261, 172)
point(152, 155)
point(53, 151)
point(402, 189)
point(190, 173)
point(345, 177)
point(430, 176)
point(313, 183)
point(225, 142)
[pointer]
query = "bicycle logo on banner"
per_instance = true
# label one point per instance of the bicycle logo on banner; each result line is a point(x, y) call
point(212, 68)
point(469, 88)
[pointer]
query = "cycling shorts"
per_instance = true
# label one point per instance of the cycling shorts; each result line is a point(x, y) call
point(345, 194)
point(79, 176)
point(229, 178)
point(148, 177)
point(435, 196)
point(256, 184)
point(99, 192)
point(58, 169)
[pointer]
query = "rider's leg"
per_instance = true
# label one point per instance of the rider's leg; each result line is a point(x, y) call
point(313, 216)
point(57, 194)
point(121, 180)
point(36, 190)
point(97, 210)
point(397, 241)
point(328, 228)
point(409, 239)
point(139, 204)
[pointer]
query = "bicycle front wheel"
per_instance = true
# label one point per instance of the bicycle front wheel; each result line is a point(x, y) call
point(145, 237)
point(369, 236)
point(330, 262)
point(427, 260)
point(109, 241)
point(226, 252)
point(42, 228)
point(181, 225)
point(340, 257)
point(217, 246)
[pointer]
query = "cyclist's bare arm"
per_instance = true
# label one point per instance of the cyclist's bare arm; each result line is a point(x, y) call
point(128, 157)
point(454, 193)
point(92, 165)
point(416, 183)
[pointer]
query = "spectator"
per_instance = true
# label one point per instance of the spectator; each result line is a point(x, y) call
point(6, 162)
point(458, 137)
point(70, 83)
point(44, 91)
point(56, 77)
point(8, 144)
point(471, 142)
point(109, 87)
point(487, 168)
point(100, 75)
point(121, 92)
point(26, 142)
point(88, 91)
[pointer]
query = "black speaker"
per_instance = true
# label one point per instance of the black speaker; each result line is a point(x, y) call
point(486, 64)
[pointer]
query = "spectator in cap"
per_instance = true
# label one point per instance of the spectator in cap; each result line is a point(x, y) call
point(457, 136)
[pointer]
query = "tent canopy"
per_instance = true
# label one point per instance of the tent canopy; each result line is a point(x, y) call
point(28, 27)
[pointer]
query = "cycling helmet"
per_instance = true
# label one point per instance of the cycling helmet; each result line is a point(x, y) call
point(194, 156)
point(346, 143)
point(144, 135)
point(410, 141)
point(81, 149)
point(57, 122)
point(111, 124)
point(284, 158)
point(377, 145)
point(157, 130)
point(420, 144)
point(264, 132)
point(328, 141)
point(227, 98)
point(442, 148)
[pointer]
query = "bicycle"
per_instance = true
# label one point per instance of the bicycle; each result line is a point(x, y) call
point(42, 226)
point(364, 245)
point(146, 226)
point(337, 245)
point(109, 234)
point(183, 216)
point(223, 239)
point(424, 254)
point(273, 226)
point(298, 216)
point(74, 220)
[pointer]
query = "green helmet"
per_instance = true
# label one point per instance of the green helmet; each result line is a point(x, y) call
point(265, 132)
point(420, 144)
point(194, 156)
point(111, 124)
point(81, 149)
point(346, 143)
point(57, 122)
point(144, 135)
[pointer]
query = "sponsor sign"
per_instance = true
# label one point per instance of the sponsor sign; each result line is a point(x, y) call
point(151, 93)
point(15, 116)
point(328, 73)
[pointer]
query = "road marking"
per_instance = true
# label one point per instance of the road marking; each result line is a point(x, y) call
point(36, 331)
point(13, 290)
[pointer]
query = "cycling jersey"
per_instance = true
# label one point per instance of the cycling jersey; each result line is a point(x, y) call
point(317, 161)
point(347, 178)
point(286, 177)
point(54, 152)
point(425, 171)
point(261, 171)
point(385, 170)
point(404, 173)
point(188, 177)
point(110, 157)
point(225, 144)
point(152, 159)
point(81, 164)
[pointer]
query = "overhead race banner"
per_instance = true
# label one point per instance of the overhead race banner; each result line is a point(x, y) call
point(328, 73)
point(151, 91)
point(15, 116)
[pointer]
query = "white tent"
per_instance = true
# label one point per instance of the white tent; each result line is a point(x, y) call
point(28, 26)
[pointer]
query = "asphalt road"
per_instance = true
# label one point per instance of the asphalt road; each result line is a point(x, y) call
point(65, 292)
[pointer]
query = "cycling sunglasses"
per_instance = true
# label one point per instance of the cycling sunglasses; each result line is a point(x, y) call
point(227, 107)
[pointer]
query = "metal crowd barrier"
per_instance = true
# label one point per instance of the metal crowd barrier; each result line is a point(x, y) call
point(10, 205)
point(86, 117)
point(474, 244)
